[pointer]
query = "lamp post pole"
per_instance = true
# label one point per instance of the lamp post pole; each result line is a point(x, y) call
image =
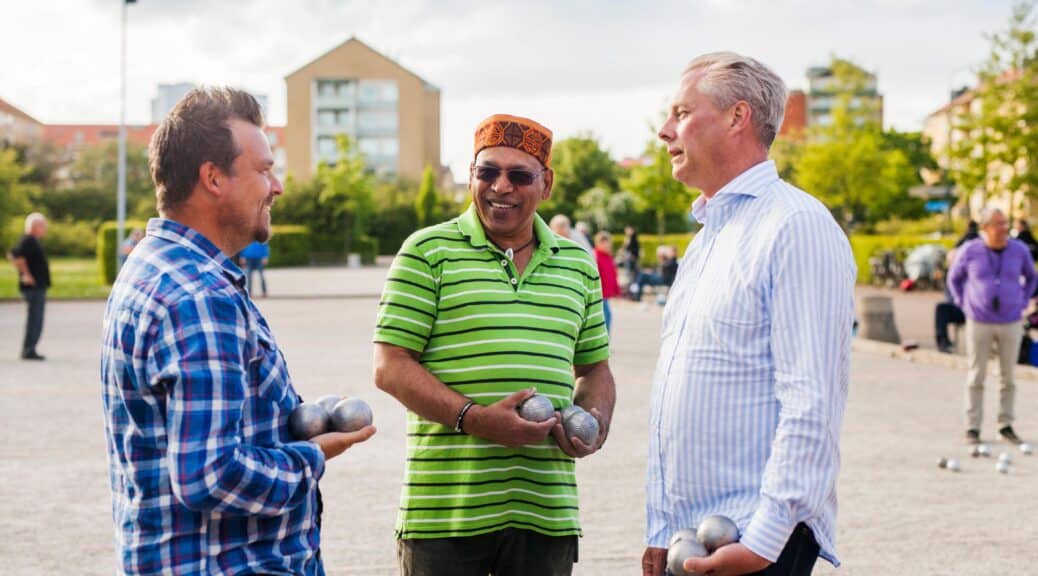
point(121, 185)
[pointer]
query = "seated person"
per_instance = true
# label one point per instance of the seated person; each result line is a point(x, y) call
point(666, 271)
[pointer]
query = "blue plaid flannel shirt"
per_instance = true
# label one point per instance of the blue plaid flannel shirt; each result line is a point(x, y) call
point(205, 476)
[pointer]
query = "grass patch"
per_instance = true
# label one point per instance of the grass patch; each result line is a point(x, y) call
point(70, 278)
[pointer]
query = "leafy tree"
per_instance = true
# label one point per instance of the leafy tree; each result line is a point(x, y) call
point(916, 148)
point(93, 185)
point(580, 164)
point(346, 190)
point(655, 187)
point(1000, 127)
point(426, 206)
point(14, 191)
point(848, 165)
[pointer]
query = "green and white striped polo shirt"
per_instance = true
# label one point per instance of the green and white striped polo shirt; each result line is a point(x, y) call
point(487, 333)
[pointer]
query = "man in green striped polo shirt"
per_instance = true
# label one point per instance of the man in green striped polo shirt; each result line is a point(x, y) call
point(478, 314)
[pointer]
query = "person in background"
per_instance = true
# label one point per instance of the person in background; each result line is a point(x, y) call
point(663, 276)
point(582, 234)
point(992, 280)
point(607, 272)
point(1022, 233)
point(30, 260)
point(136, 235)
point(254, 258)
point(560, 225)
point(630, 253)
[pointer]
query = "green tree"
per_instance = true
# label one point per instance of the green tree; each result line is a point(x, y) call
point(847, 163)
point(93, 183)
point(995, 156)
point(346, 190)
point(655, 187)
point(427, 203)
point(580, 164)
point(14, 192)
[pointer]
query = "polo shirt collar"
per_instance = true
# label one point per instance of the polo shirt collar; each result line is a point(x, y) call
point(471, 227)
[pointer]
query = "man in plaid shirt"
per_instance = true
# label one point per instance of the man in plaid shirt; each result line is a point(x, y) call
point(205, 476)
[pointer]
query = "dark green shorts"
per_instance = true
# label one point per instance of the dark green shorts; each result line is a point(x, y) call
point(508, 552)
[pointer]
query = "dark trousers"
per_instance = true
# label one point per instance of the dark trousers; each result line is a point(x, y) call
point(254, 266)
point(947, 313)
point(508, 552)
point(797, 558)
point(36, 298)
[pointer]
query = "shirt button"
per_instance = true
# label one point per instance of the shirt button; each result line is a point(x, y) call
point(504, 262)
point(514, 281)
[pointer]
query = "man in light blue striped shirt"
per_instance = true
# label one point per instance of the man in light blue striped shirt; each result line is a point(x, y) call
point(751, 381)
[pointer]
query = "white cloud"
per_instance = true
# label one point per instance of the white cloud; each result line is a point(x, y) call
point(601, 66)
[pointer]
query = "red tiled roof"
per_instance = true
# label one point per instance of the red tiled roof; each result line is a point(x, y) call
point(11, 109)
point(68, 135)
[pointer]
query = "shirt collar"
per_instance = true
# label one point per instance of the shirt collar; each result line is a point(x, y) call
point(472, 228)
point(752, 182)
point(191, 239)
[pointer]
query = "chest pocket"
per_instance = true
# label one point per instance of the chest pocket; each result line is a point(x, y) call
point(266, 369)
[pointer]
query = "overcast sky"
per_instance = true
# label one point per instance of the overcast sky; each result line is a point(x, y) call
point(605, 67)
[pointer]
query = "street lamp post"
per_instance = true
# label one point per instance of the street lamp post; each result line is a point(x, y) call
point(121, 182)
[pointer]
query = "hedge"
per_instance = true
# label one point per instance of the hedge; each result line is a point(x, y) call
point(367, 247)
point(106, 246)
point(650, 242)
point(289, 246)
point(71, 239)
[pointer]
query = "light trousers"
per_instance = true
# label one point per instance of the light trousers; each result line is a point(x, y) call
point(979, 339)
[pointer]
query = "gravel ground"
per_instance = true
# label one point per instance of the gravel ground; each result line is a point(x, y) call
point(899, 513)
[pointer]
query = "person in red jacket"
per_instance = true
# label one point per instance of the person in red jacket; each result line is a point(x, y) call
point(607, 271)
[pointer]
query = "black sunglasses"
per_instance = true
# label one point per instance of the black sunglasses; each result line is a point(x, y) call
point(517, 176)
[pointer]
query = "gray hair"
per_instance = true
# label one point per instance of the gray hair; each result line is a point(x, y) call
point(559, 220)
point(32, 219)
point(987, 214)
point(730, 77)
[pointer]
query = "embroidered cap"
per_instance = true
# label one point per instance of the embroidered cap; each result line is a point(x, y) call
point(515, 132)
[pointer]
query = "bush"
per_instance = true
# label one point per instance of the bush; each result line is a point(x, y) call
point(290, 246)
point(367, 247)
point(72, 239)
point(107, 249)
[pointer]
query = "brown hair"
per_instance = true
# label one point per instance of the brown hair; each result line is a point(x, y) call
point(197, 131)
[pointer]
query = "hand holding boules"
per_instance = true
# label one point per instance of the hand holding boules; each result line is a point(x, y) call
point(502, 423)
point(578, 432)
point(350, 415)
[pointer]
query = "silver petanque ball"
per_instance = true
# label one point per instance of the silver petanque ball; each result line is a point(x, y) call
point(1005, 457)
point(683, 550)
point(716, 531)
point(984, 450)
point(570, 411)
point(1026, 448)
point(1002, 466)
point(328, 402)
point(307, 420)
point(536, 408)
point(953, 465)
point(683, 534)
point(350, 415)
point(583, 425)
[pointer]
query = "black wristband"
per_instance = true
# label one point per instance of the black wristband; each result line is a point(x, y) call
point(461, 415)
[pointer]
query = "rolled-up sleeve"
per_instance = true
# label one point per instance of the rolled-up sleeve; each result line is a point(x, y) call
point(812, 275)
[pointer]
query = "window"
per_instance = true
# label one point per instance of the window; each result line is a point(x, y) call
point(326, 146)
point(326, 117)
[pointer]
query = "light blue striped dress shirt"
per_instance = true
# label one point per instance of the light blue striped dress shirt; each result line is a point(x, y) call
point(751, 381)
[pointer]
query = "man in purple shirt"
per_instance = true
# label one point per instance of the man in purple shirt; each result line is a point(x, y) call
point(991, 280)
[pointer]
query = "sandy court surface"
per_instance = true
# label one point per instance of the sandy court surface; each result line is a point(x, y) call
point(899, 513)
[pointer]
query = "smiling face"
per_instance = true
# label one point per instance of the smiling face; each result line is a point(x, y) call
point(245, 213)
point(696, 133)
point(507, 210)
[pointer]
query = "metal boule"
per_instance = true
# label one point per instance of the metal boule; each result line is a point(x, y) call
point(328, 402)
point(583, 425)
point(683, 534)
point(716, 531)
point(683, 550)
point(536, 408)
point(307, 420)
point(350, 415)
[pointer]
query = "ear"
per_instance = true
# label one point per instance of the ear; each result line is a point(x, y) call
point(742, 116)
point(211, 178)
point(549, 180)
